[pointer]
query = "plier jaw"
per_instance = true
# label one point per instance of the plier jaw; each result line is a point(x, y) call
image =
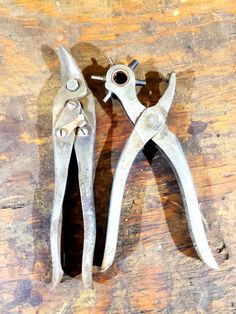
point(150, 124)
point(74, 124)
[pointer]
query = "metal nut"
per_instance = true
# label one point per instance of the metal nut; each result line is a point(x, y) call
point(72, 85)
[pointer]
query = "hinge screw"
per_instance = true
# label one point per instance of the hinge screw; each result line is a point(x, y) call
point(61, 133)
point(72, 104)
point(72, 85)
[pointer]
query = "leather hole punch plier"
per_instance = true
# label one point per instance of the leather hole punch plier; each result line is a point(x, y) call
point(149, 124)
point(74, 124)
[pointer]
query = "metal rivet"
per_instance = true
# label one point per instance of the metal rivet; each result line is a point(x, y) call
point(72, 85)
point(61, 133)
point(153, 121)
point(72, 104)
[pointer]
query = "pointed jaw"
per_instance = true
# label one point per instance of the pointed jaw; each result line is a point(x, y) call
point(69, 68)
point(56, 278)
point(208, 258)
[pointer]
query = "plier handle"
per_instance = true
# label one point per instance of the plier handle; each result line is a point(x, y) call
point(149, 124)
point(74, 124)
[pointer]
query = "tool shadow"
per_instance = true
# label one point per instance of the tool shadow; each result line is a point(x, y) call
point(43, 195)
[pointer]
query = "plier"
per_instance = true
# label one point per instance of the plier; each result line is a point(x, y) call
point(74, 125)
point(149, 124)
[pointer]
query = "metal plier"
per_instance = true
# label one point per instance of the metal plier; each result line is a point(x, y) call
point(74, 124)
point(149, 124)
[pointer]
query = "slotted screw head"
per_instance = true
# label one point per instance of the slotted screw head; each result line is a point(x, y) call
point(61, 133)
point(72, 85)
point(72, 104)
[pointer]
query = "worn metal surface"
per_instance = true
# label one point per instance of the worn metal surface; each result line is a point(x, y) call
point(74, 125)
point(156, 269)
point(150, 123)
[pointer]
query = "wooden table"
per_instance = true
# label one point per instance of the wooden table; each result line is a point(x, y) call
point(156, 268)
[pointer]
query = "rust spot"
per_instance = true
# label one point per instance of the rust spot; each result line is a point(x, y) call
point(197, 127)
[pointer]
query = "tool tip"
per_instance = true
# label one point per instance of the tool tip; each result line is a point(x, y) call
point(69, 68)
point(213, 264)
point(170, 76)
point(89, 286)
point(103, 269)
point(105, 266)
point(62, 51)
point(61, 47)
point(56, 278)
point(55, 284)
point(208, 258)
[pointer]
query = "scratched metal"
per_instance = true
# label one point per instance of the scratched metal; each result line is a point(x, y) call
point(67, 132)
point(150, 123)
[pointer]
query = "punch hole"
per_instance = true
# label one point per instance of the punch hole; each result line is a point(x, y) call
point(120, 77)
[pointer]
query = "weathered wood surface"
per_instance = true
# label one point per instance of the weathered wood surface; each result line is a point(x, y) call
point(156, 269)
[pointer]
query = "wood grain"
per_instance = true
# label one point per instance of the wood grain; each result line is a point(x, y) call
point(156, 269)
